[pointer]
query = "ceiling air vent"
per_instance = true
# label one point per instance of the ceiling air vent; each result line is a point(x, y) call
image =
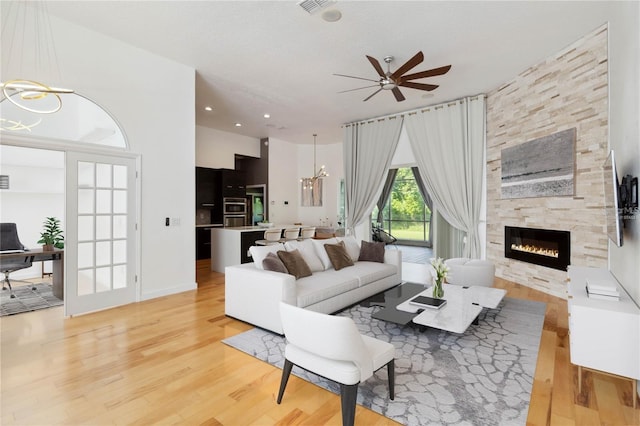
point(313, 6)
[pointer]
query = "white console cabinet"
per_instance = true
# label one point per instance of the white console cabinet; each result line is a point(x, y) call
point(604, 335)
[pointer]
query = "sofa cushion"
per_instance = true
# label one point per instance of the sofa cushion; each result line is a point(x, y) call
point(368, 272)
point(308, 252)
point(295, 264)
point(322, 253)
point(371, 251)
point(338, 255)
point(323, 286)
point(353, 248)
point(258, 253)
point(272, 262)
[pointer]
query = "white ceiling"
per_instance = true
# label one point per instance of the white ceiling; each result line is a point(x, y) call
point(273, 57)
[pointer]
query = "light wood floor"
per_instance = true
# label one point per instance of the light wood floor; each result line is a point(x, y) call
point(162, 362)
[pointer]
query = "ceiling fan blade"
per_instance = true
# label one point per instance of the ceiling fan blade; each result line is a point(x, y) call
point(417, 58)
point(429, 73)
point(371, 95)
point(360, 88)
point(419, 86)
point(359, 78)
point(377, 66)
point(398, 94)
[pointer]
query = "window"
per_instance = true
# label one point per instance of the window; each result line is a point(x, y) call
point(405, 215)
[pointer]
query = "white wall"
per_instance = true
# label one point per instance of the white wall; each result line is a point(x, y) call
point(283, 182)
point(624, 132)
point(153, 99)
point(216, 149)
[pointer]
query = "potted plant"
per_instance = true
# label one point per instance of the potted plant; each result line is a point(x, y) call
point(51, 236)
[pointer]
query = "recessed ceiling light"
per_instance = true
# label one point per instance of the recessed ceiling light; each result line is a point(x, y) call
point(267, 115)
point(238, 124)
point(331, 15)
point(208, 108)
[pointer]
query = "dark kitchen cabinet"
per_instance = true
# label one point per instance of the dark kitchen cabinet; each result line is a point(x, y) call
point(248, 239)
point(208, 188)
point(203, 243)
point(234, 183)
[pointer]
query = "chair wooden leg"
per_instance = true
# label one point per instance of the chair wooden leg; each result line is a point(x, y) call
point(286, 371)
point(391, 374)
point(348, 396)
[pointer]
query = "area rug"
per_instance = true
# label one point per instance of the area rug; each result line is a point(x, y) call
point(481, 377)
point(27, 300)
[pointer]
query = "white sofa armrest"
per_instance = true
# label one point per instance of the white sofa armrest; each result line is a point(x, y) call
point(254, 295)
point(394, 257)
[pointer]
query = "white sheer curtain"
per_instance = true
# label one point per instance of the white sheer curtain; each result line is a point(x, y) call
point(448, 143)
point(368, 151)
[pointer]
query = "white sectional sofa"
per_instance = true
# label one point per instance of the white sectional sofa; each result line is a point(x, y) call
point(253, 294)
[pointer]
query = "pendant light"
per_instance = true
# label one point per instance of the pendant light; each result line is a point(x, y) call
point(307, 183)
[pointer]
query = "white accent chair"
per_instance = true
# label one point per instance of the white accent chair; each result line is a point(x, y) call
point(308, 232)
point(464, 271)
point(331, 346)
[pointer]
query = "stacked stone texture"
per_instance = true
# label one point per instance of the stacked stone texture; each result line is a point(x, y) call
point(566, 90)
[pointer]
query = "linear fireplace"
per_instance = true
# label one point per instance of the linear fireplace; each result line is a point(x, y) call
point(543, 247)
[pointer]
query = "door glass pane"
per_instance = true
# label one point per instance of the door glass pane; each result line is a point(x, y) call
point(103, 279)
point(120, 251)
point(119, 201)
point(119, 227)
point(85, 174)
point(85, 282)
point(103, 201)
point(120, 276)
point(85, 255)
point(103, 253)
point(85, 201)
point(120, 177)
point(103, 227)
point(103, 175)
point(85, 228)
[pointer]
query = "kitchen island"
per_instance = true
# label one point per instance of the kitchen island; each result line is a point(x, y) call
point(230, 246)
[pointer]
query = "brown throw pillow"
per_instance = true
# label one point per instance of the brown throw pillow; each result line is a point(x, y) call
point(372, 252)
point(272, 262)
point(338, 255)
point(295, 264)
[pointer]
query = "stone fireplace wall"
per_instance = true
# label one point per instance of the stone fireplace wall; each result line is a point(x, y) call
point(564, 91)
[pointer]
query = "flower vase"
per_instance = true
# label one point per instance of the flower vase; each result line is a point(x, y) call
point(438, 291)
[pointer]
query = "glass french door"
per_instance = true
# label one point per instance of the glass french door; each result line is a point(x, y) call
point(100, 246)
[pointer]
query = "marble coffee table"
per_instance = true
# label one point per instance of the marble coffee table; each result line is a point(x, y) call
point(464, 304)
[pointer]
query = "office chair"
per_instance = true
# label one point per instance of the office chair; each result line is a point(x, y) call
point(9, 241)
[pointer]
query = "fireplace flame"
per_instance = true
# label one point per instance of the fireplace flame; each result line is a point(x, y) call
point(535, 250)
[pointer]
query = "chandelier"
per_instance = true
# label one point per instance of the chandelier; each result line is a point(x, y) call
point(28, 45)
point(307, 183)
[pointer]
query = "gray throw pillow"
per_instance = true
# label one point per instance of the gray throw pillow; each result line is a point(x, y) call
point(272, 262)
point(338, 255)
point(372, 252)
point(295, 264)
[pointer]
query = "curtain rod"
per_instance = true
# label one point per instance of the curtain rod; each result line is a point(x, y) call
point(414, 111)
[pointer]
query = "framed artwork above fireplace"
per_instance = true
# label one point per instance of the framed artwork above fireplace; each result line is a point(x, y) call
point(542, 167)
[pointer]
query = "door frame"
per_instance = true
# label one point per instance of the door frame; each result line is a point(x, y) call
point(69, 146)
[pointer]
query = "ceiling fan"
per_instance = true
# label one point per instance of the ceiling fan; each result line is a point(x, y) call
point(392, 81)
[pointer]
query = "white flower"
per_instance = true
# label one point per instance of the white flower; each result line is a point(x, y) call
point(442, 270)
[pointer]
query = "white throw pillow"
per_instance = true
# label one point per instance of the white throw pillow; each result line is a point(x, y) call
point(308, 252)
point(322, 253)
point(353, 248)
point(258, 253)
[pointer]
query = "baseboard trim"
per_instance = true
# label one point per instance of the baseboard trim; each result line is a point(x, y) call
point(168, 291)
